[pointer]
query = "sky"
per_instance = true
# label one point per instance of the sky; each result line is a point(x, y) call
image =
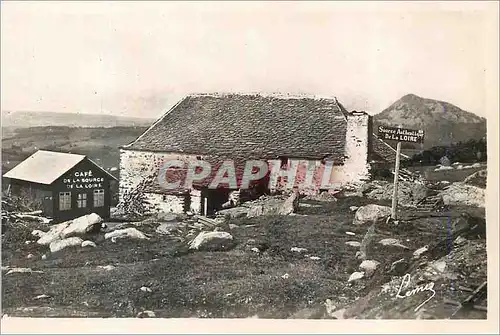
point(140, 58)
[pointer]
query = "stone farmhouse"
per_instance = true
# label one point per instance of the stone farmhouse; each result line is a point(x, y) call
point(241, 127)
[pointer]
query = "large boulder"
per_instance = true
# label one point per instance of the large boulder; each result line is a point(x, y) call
point(370, 214)
point(212, 241)
point(132, 233)
point(58, 245)
point(463, 194)
point(79, 226)
point(54, 233)
point(409, 193)
point(276, 205)
point(82, 225)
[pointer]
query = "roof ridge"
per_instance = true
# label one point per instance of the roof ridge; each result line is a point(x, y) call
point(265, 95)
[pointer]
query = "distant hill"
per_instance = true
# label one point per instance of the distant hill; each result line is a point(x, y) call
point(442, 122)
point(23, 119)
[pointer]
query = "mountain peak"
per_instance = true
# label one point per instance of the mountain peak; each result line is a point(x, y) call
point(410, 97)
point(443, 122)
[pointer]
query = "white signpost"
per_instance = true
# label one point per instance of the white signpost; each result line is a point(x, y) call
point(399, 135)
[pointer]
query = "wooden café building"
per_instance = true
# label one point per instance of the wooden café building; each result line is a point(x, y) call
point(64, 186)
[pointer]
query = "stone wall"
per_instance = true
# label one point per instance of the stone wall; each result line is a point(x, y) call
point(137, 165)
point(156, 203)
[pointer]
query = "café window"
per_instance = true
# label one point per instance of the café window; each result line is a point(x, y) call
point(64, 201)
point(98, 198)
point(81, 200)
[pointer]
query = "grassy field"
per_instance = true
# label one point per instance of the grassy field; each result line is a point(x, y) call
point(276, 283)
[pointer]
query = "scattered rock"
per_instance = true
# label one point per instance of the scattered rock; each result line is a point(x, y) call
point(297, 249)
point(124, 233)
point(21, 270)
point(330, 307)
point(399, 267)
point(310, 205)
point(463, 194)
point(370, 213)
point(439, 265)
point(146, 314)
point(166, 228)
point(30, 256)
point(146, 289)
point(166, 217)
point(256, 210)
point(340, 314)
point(88, 244)
point(409, 193)
point(369, 267)
point(233, 213)
point(212, 241)
point(360, 255)
point(354, 244)
point(460, 240)
point(59, 245)
point(353, 208)
point(325, 196)
point(477, 179)
point(443, 167)
point(356, 276)
point(106, 267)
point(392, 242)
point(420, 251)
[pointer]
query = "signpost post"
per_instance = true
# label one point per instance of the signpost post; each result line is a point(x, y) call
point(400, 135)
point(395, 188)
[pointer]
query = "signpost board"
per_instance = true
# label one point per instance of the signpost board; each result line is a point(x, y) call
point(400, 135)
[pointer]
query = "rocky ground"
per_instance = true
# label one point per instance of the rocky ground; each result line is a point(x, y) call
point(302, 265)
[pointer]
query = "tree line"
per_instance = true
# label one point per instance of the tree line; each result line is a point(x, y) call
point(470, 151)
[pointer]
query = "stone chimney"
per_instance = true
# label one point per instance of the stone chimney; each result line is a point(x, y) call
point(357, 145)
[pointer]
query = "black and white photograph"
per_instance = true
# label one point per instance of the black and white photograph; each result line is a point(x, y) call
point(249, 160)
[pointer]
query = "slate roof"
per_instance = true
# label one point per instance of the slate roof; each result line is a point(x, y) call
point(45, 167)
point(250, 126)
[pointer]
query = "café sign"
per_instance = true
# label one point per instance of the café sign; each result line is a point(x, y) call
point(401, 134)
point(83, 180)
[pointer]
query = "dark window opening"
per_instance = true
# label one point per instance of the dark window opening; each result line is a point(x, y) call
point(81, 200)
point(99, 198)
point(64, 201)
point(284, 162)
